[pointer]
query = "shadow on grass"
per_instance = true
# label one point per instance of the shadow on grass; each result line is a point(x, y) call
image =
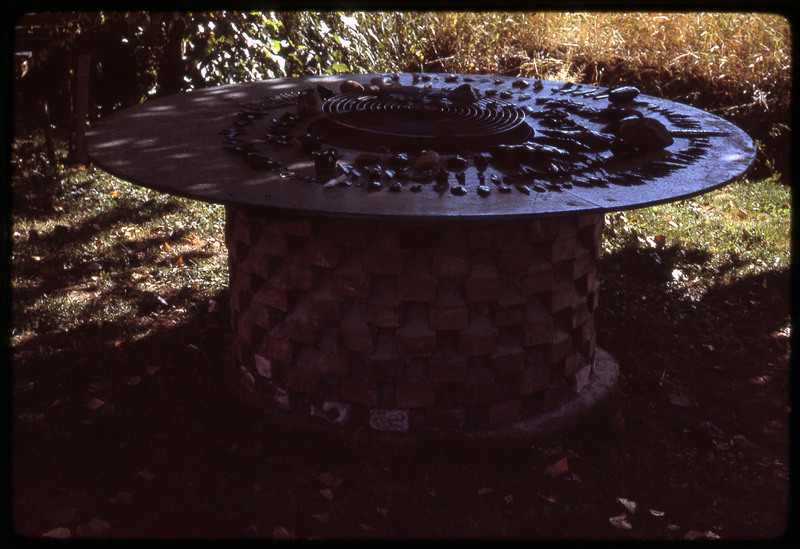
point(144, 435)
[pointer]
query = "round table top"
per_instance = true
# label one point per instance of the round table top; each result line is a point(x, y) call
point(184, 144)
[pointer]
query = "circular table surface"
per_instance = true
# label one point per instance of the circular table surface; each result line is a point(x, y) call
point(175, 144)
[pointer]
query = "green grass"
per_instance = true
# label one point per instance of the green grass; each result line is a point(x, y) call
point(86, 248)
point(742, 229)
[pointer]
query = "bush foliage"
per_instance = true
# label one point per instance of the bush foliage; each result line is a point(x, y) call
point(734, 64)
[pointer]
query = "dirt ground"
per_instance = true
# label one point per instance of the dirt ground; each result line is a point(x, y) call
point(121, 438)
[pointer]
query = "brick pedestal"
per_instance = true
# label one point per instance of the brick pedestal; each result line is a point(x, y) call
point(410, 325)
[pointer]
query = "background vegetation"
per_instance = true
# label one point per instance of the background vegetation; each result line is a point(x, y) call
point(119, 307)
point(736, 65)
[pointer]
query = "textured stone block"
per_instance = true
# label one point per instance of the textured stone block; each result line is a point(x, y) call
point(347, 233)
point(383, 309)
point(415, 338)
point(259, 313)
point(560, 345)
point(483, 282)
point(263, 366)
point(358, 337)
point(483, 237)
point(271, 243)
point(573, 362)
point(358, 392)
point(350, 280)
point(323, 254)
point(324, 304)
point(478, 387)
point(580, 379)
point(479, 337)
point(328, 357)
point(446, 366)
point(414, 396)
point(384, 257)
point(563, 295)
point(249, 333)
point(446, 264)
point(296, 227)
point(389, 420)
point(561, 250)
point(449, 311)
point(275, 291)
point(583, 262)
point(385, 357)
point(537, 327)
point(333, 412)
point(417, 283)
point(508, 358)
point(300, 376)
point(298, 272)
point(278, 346)
point(438, 417)
point(515, 257)
point(299, 327)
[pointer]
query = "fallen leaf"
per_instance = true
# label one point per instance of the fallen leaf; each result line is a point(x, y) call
point(281, 533)
point(147, 475)
point(483, 491)
point(58, 533)
point(660, 240)
point(694, 534)
point(330, 480)
point(741, 214)
point(620, 522)
point(323, 517)
point(365, 527)
point(98, 527)
point(95, 404)
point(683, 400)
point(179, 262)
point(166, 246)
point(134, 380)
point(628, 504)
point(559, 467)
point(327, 493)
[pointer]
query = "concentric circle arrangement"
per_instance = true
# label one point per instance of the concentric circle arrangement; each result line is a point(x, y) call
point(422, 146)
point(439, 124)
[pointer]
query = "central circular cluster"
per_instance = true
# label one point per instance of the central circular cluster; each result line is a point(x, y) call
point(419, 122)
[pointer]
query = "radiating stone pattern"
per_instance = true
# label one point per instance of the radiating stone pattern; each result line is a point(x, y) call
point(411, 325)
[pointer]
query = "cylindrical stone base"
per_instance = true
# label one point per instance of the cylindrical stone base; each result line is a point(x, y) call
point(403, 326)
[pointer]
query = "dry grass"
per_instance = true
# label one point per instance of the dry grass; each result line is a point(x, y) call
point(737, 65)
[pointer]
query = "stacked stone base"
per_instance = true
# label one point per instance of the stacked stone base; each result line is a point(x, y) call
point(401, 326)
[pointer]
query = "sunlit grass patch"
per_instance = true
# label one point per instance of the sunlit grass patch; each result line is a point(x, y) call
point(714, 238)
point(91, 249)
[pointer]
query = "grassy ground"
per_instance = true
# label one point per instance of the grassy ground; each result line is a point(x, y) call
point(120, 325)
point(123, 427)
